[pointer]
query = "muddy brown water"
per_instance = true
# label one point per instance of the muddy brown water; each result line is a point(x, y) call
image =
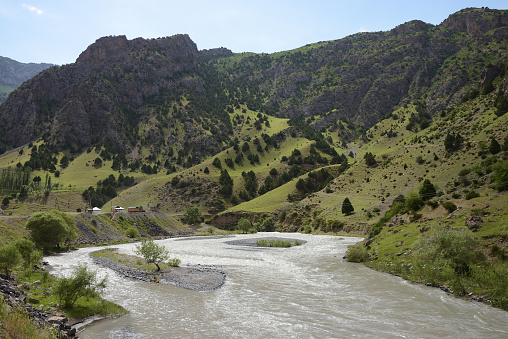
point(301, 292)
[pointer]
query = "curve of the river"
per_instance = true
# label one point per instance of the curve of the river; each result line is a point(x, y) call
point(305, 291)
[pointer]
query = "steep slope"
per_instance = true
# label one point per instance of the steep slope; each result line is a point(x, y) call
point(14, 73)
point(111, 96)
point(160, 105)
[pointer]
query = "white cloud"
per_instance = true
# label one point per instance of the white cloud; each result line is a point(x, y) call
point(363, 30)
point(33, 9)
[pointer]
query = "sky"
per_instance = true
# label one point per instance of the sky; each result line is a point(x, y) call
point(57, 31)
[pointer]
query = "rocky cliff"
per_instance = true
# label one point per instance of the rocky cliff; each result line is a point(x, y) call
point(164, 91)
point(14, 73)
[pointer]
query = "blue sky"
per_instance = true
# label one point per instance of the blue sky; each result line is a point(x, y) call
point(57, 31)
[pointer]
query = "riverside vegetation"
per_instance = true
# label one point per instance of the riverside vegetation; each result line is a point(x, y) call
point(398, 136)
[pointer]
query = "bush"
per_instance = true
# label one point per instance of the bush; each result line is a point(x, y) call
point(449, 206)
point(357, 253)
point(444, 247)
point(192, 216)
point(132, 232)
point(414, 202)
point(29, 253)
point(174, 262)
point(82, 283)
point(432, 203)
point(471, 195)
point(9, 258)
point(6, 201)
point(244, 225)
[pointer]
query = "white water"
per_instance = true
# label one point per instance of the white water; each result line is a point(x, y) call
point(300, 292)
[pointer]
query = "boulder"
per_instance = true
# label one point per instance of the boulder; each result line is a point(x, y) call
point(474, 222)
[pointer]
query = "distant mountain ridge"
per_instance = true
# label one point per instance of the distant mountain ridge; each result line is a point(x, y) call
point(14, 73)
point(129, 93)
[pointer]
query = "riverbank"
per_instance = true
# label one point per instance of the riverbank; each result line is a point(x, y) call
point(197, 277)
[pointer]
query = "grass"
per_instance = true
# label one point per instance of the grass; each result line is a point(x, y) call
point(84, 307)
point(15, 323)
point(277, 243)
point(395, 251)
point(133, 261)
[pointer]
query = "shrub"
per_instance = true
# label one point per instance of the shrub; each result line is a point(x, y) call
point(82, 283)
point(132, 232)
point(414, 202)
point(471, 195)
point(9, 258)
point(444, 247)
point(432, 203)
point(174, 262)
point(449, 206)
point(357, 253)
point(6, 201)
point(244, 225)
point(29, 253)
point(500, 176)
point(192, 216)
point(252, 230)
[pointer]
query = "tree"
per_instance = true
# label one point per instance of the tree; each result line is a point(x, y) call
point(226, 183)
point(151, 252)
point(216, 162)
point(49, 229)
point(427, 190)
point(449, 142)
point(82, 283)
point(370, 160)
point(347, 207)
point(9, 258)
point(192, 215)
point(64, 161)
point(28, 252)
point(494, 146)
point(244, 225)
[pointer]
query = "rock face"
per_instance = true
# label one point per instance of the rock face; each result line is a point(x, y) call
point(164, 91)
point(105, 95)
point(476, 22)
point(14, 73)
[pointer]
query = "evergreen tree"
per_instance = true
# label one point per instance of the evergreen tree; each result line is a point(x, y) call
point(347, 207)
point(370, 160)
point(494, 147)
point(226, 183)
point(427, 191)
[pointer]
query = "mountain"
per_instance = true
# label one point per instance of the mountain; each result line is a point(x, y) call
point(123, 92)
point(398, 137)
point(14, 73)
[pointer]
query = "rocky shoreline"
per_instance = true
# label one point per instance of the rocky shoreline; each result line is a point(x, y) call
point(200, 278)
point(15, 297)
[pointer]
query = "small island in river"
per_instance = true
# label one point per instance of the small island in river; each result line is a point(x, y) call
point(197, 278)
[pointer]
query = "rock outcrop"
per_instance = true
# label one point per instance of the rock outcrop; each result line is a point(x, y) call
point(164, 91)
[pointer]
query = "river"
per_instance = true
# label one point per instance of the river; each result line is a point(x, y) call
point(305, 291)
